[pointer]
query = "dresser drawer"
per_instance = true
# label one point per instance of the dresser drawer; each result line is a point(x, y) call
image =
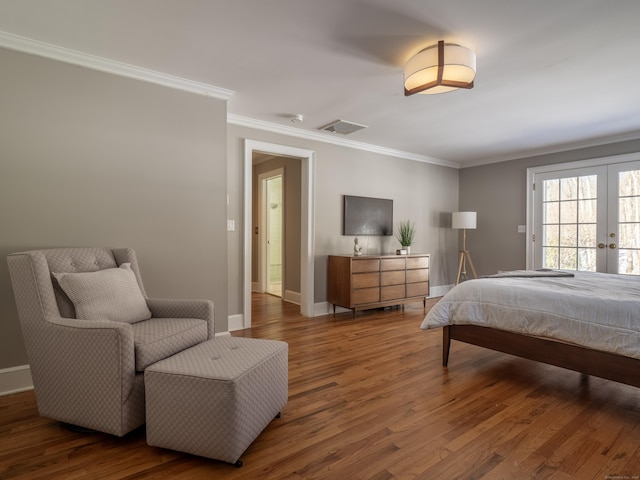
point(392, 264)
point(392, 293)
point(417, 289)
point(365, 265)
point(418, 262)
point(392, 278)
point(366, 295)
point(364, 280)
point(421, 275)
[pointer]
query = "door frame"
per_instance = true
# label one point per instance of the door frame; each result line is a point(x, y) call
point(531, 177)
point(307, 221)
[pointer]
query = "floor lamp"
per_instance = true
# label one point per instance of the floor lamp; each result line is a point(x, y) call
point(464, 221)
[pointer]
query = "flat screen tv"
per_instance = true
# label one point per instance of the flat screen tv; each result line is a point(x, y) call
point(367, 216)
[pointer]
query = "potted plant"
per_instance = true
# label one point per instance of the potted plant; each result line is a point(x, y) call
point(405, 234)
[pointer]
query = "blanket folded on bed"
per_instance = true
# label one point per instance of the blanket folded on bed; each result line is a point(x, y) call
point(544, 272)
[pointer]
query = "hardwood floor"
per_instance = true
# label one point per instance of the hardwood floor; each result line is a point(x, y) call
point(369, 399)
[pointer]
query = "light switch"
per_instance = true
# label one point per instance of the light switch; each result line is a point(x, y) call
point(522, 229)
point(231, 225)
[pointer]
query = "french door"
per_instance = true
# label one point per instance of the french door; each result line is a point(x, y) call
point(587, 218)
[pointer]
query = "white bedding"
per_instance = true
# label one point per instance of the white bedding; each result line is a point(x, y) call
point(595, 310)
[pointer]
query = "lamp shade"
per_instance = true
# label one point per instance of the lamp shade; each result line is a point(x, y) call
point(440, 68)
point(463, 220)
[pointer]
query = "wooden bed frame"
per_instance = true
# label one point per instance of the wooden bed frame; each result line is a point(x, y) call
point(581, 359)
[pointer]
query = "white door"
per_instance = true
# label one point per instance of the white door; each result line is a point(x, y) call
point(271, 232)
point(588, 219)
point(623, 241)
point(274, 235)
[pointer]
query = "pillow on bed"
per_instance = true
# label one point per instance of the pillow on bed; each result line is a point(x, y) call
point(110, 294)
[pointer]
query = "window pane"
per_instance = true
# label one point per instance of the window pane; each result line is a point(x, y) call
point(551, 236)
point(587, 235)
point(587, 259)
point(569, 235)
point(551, 257)
point(569, 188)
point(629, 262)
point(551, 190)
point(629, 209)
point(629, 235)
point(588, 187)
point(587, 211)
point(568, 260)
point(568, 212)
point(629, 183)
point(551, 212)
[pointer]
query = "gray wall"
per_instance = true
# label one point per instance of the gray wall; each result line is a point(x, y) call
point(92, 159)
point(292, 210)
point(498, 193)
point(421, 192)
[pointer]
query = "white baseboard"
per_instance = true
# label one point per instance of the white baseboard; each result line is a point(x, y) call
point(15, 379)
point(326, 308)
point(439, 290)
point(235, 322)
point(291, 297)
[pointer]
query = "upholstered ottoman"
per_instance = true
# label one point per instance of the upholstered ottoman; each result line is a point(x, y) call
point(215, 398)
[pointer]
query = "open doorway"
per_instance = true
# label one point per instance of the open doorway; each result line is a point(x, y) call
point(306, 160)
point(276, 249)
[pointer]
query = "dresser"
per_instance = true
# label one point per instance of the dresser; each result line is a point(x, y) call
point(373, 281)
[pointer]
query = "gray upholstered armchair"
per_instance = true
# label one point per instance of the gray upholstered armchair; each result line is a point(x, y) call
point(87, 367)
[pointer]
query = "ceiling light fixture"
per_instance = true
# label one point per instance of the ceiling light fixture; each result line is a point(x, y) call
point(440, 68)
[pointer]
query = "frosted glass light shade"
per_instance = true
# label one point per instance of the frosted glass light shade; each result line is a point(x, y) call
point(463, 220)
point(440, 68)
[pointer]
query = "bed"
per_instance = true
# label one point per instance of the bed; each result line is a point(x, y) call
point(583, 321)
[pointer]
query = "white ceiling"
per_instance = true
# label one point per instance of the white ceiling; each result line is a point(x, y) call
point(552, 74)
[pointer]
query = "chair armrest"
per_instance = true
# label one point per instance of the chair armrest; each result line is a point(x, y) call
point(183, 308)
point(71, 356)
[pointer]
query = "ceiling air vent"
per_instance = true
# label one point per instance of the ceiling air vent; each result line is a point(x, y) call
point(343, 127)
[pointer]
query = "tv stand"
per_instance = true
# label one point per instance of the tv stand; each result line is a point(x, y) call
point(373, 281)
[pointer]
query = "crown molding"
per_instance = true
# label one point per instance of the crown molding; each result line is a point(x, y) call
point(561, 148)
point(333, 139)
point(47, 50)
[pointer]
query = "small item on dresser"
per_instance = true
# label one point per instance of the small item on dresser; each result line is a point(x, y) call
point(357, 248)
point(401, 251)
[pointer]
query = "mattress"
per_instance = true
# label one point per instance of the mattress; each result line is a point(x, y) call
point(596, 310)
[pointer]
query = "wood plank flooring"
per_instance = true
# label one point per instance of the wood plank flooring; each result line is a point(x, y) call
point(369, 399)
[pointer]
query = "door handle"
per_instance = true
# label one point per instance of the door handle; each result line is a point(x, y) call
point(601, 245)
point(612, 245)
